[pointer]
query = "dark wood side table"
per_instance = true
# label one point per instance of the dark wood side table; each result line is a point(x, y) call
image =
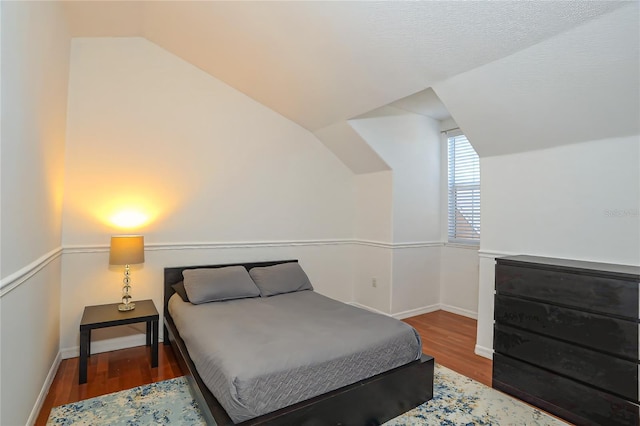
point(102, 316)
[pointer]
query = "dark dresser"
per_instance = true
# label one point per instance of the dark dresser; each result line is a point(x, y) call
point(566, 337)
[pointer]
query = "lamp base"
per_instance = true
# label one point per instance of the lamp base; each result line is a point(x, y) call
point(128, 307)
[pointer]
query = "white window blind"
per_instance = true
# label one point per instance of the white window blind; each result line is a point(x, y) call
point(464, 191)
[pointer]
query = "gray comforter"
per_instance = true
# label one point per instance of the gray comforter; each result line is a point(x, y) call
point(261, 354)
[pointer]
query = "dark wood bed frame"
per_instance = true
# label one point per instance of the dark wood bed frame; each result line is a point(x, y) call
point(372, 401)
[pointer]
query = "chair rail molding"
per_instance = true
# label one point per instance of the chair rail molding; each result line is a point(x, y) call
point(71, 249)
point(19, 277)
point(492, 254)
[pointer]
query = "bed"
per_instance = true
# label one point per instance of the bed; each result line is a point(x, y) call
point(296, 358)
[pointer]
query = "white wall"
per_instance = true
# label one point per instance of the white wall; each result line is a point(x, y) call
point(147, 128)
point(373, 226)
point(410, 144)
point(222, 178)
point(459, 279)
point(577, 201)
point(407, 267)
point(35, 58)
point(373, 206)
point(566, 195)
point(373, 262)
point(416, 280)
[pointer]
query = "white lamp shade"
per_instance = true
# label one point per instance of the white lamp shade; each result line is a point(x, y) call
point(126, 250)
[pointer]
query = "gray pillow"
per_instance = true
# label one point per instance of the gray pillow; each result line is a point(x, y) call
point(215, 284)
point(282, 278)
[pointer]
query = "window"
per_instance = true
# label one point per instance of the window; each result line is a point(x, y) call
point(464, 192)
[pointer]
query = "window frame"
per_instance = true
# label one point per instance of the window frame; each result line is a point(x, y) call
point(471, 186)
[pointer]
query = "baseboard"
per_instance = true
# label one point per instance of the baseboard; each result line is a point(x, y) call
point(45, 390)
point(459, 311)
point(108, 345)
point(484, 352)
point(367, 308)
point(420, 311)
point(399, 315)
point(417, 311)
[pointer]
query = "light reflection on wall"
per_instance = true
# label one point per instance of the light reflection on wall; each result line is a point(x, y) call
point(130, 218)
point(128, 213)
point(132, 211)
point(98, 204)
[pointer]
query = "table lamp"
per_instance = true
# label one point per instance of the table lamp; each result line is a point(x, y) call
point(126, 250)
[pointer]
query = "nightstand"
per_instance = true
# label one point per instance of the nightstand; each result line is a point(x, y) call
point(102, 316)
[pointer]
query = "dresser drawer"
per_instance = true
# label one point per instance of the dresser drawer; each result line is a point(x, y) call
point(607, 334)
point(596, 368)
point(593, 293)
point(564, 397)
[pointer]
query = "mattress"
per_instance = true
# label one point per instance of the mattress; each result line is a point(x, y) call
point(260, 354)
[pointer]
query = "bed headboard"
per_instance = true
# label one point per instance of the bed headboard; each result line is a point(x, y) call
point(173, 275)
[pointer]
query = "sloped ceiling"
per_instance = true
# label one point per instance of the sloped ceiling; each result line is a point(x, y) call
point(581, 85)
point(349, 147)
point(321, 63)
point(425, 102)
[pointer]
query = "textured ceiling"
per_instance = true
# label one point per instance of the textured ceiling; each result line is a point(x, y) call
point(515, 75)
point(319, 63)
point(582, 85)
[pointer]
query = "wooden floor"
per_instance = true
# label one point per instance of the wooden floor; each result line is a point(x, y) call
point(449, 338)
point(108, 372)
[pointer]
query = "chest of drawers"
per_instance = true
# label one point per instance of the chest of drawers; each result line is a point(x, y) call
point(566, 337)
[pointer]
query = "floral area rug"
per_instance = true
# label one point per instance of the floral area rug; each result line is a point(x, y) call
point(457, 400)
point(161, 403)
